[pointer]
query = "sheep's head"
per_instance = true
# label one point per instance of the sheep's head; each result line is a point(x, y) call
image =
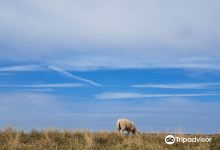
point(135, 131)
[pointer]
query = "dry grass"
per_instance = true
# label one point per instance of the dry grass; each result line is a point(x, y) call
point(11, 139)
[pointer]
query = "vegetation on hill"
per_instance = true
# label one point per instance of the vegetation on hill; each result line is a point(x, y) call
point(11, 139)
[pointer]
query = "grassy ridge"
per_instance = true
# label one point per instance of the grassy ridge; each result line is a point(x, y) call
point(80, 140)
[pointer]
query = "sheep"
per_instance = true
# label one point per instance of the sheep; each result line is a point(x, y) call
point(126, 125)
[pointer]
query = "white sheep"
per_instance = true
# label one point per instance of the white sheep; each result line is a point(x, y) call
point(123, 125)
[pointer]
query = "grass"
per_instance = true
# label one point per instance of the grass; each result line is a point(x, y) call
point(11, 139)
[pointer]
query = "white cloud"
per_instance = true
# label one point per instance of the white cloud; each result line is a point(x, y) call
point(178, 86)
point(54, 85)
point(21, 68)
point(73, 76)
point(45, 68)
point(83, 35)
point(130, 95)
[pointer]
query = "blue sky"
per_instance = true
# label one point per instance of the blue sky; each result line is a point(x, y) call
point(82, 65)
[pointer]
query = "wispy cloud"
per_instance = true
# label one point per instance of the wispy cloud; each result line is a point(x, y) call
point(96, 62)
point(45, 68)
point(57, 85)
point(152, 35)
point(68, 74)
point(129, 95)
point(178, 86)
point(15, 68)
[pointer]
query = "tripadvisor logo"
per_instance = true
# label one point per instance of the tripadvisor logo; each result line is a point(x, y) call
point(170, 139)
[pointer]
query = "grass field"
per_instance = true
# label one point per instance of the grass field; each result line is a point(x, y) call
point(79, 140)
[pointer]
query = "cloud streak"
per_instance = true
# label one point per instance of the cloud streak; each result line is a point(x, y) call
point(20, 68)
point(178, 86)
point(130, 95)
point(17, 68)
point(57, 85)
point(66, 73)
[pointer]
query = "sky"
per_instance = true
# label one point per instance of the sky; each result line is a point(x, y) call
point(84, 64)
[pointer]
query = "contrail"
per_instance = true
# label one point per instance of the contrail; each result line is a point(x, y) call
point(72, 76)
point(127, 95)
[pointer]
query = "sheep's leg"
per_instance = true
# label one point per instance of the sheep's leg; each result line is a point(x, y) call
point(123, 129)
